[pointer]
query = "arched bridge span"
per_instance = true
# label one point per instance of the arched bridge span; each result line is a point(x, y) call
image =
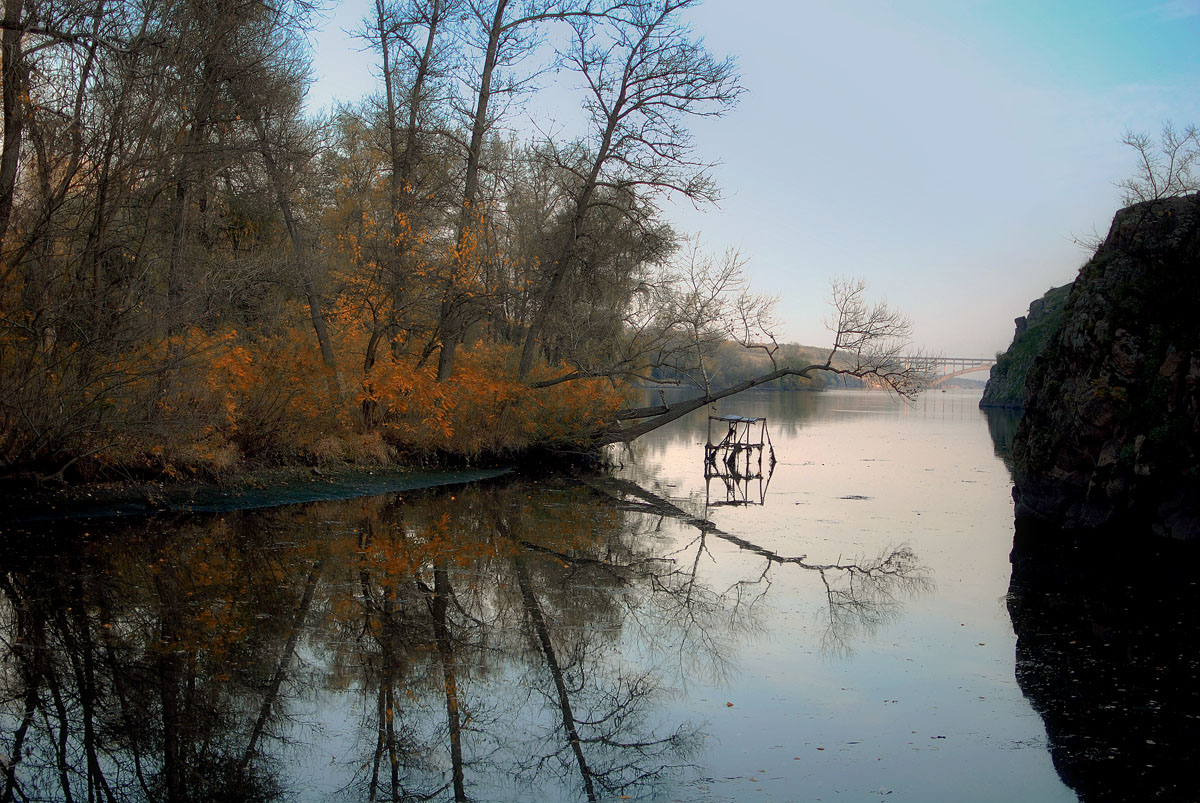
point(944, 368)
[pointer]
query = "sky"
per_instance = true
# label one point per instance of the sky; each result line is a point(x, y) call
point(946, 152)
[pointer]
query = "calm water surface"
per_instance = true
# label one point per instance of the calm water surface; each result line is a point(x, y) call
point(844, 635)
point(913, 699)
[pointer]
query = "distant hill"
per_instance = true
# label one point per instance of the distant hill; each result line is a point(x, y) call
point(962, 383)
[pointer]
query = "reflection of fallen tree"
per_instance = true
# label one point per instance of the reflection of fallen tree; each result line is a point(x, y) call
point(862, 594)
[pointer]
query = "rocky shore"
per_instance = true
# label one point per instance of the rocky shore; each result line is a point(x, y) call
point(1110, 438)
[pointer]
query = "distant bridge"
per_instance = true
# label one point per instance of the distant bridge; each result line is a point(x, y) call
point(943, 368)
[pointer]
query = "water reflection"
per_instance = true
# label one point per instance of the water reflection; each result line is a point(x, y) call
point(140, 666)
point(736, 473)
point(1108, 656)
point(861, 594)
point(479, 643)
point(1107, 653)
point(1002, 426)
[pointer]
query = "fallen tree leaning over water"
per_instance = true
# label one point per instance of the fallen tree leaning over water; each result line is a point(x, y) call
point(868, 342)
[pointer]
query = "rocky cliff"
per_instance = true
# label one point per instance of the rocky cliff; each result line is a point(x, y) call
point(1006, 383)
point(1110, 438)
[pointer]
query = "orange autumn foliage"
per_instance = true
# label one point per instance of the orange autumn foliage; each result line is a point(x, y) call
point(482, 409)
point(234, 398)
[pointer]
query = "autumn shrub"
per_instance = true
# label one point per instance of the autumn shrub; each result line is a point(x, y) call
point(482, 410)
point(209, 402)
point(568, 414)
point(182, 417)
point(485, 400)
point(221, 398)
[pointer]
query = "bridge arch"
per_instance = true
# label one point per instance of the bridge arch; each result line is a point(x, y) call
point(942, 369)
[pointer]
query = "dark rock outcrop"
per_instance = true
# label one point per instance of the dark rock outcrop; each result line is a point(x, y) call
point(1006, 383)
point(1110, 438)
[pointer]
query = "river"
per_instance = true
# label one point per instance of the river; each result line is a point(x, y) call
point(844, 631)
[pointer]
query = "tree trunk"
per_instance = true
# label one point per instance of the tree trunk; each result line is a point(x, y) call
point(390, 98)
point(665, 414)
point(285, 661)
point(438, 604)
point(190, 159)
point(15, 101)
point(450, 322)
point(300, 251)
point(404, 165)
point(583, 202)
point(170, 677)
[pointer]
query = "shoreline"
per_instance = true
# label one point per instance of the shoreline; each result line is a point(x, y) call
point(263, 488)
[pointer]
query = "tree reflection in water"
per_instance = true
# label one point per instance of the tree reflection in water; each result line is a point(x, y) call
point(511, 630)
point(861, 594)
point(137, 666)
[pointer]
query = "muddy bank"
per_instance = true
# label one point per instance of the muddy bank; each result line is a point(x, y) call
point(264, 488)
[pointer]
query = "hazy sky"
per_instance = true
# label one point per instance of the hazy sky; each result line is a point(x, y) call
point(943, 150)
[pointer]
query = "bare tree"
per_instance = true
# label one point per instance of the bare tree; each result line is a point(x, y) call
point(869, 340)
point(1165, 168)
point(713, 304)
point(503, 33)
point(871, 335)
point(413, 42)
point(645, 74)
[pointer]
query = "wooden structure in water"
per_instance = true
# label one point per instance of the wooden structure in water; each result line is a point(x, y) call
point(737, 458)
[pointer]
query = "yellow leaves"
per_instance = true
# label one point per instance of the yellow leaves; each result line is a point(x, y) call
point(228, 396)
point(482, 407)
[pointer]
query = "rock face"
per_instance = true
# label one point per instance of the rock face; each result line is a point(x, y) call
point(1110, 438)
point(1006, 384)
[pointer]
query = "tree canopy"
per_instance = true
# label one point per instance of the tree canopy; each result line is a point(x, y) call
point(195, 273)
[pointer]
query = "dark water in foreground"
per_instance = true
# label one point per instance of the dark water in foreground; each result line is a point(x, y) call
point(847, 635)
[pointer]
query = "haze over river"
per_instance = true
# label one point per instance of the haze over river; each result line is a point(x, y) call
point(846, 635)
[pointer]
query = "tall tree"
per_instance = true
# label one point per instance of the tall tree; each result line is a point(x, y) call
point(221, 50)
point(415, 44)
point(266, 93)
point(503, 34)
point(645, 73)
